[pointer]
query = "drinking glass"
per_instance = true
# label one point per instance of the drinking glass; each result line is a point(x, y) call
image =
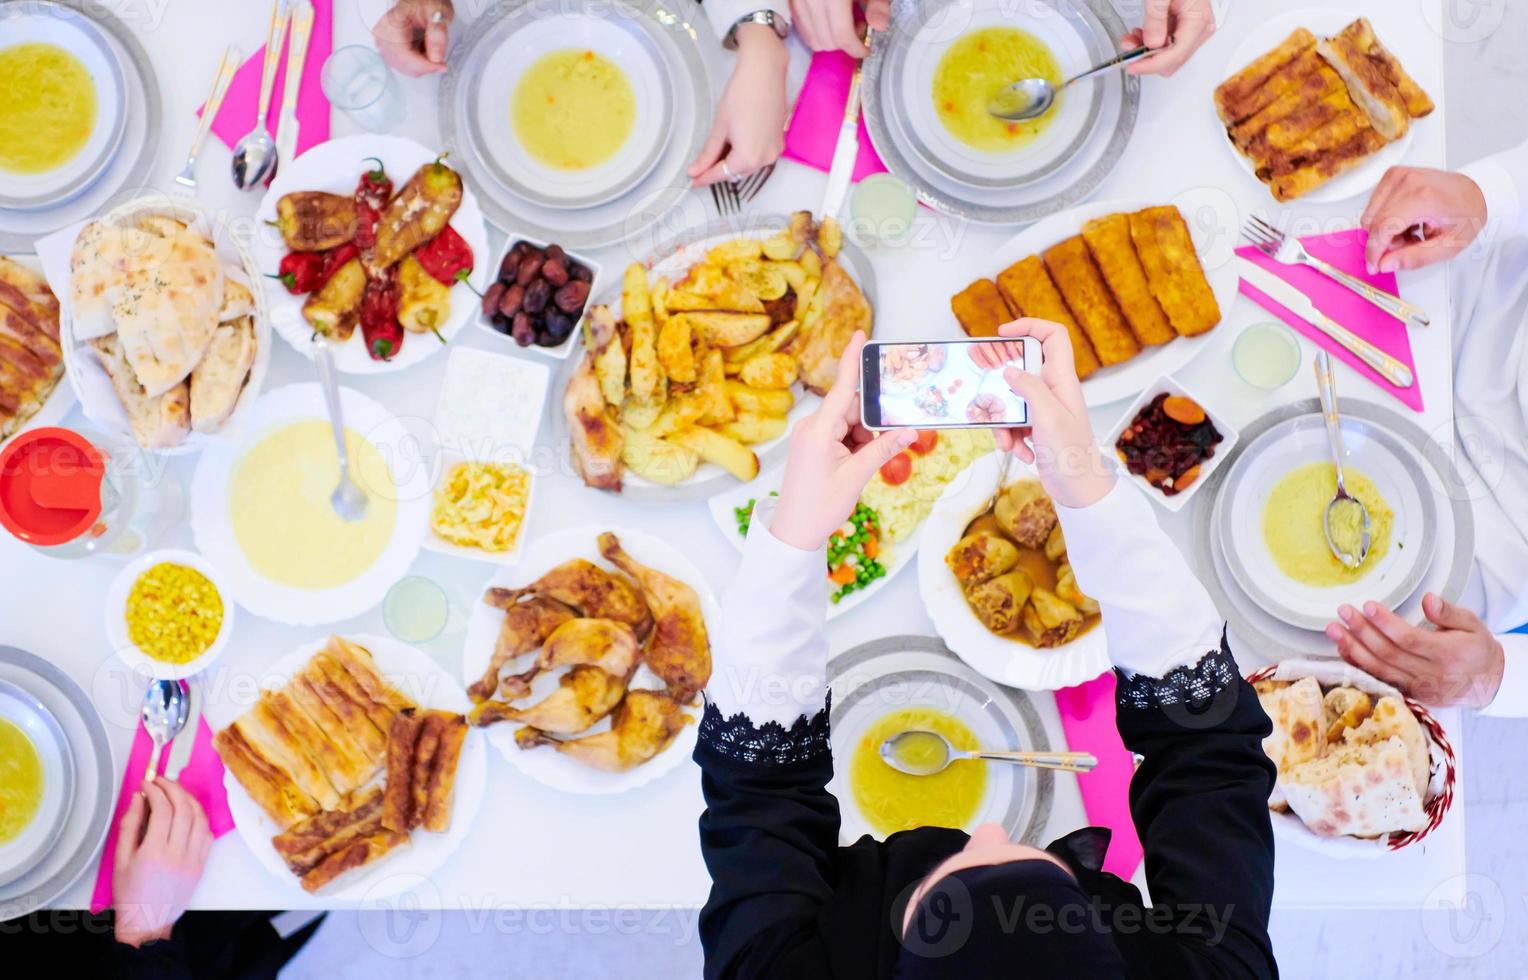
point(1266, 355)
point(357, 80)
point(416, 610)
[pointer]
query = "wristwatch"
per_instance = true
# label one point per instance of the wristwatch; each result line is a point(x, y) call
point(766, 17)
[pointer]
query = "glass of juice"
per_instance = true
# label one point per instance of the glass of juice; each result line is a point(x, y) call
point(881, 210)
point(1266, 355)
point(416, 610)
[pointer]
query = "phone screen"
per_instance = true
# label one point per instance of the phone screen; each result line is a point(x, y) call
point(943, 384)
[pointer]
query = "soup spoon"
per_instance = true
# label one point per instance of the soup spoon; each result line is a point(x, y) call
point(943, 753)
point(254, 156)
point(164, 714)
point(1326, 383)
point(1033, 97)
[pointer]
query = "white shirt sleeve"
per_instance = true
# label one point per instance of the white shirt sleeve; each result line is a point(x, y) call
point(1156, 615)
point(772, 655)
point(1511, 699)
point(724, 13)
point(1503, 179)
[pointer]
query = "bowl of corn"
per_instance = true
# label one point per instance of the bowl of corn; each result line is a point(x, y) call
point(167, 614)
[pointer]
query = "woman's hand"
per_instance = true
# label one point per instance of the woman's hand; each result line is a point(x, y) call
point(1060, 437)
point(994, 354)
point(1446, 211)
point(749, 131)
point(412, 36)
point(1187, 23)
point(162, 847)
point(823, 476)
point(828, 25)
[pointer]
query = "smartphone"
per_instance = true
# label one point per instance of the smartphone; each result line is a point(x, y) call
point(944, 384)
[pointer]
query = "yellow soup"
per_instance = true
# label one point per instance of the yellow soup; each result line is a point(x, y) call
point(1293, 530)
point(47, 107)
point(573, 109)
point(974, 69)
point(893, 801)
point(20, 781)
point(279, 504)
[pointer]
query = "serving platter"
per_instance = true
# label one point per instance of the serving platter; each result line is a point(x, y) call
point(335, 167)
point(875, 678)
point(419, 677)
point(1009, 662)
point(546, 765)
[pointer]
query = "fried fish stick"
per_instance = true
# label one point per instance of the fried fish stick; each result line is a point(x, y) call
point(1109, 240)
point(398, 791)
point(980, 309)
point(1173, 271)
point(1029, 291)
point(1237, 97)
point(1087, 296)
point(437, 813)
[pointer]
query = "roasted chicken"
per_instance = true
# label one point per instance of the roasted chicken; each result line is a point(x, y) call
point(596, 435)
point(644, 725)
point(526, 626)
point(586, 587)
point(819, 346)
point(585, 695)
point(602, 643)
point(678, 650)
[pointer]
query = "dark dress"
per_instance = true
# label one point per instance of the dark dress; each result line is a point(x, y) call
point(787, 901)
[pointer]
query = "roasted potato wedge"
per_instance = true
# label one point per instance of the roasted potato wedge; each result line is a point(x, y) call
point(726, 329)
point(723, 450)
point(735, 250)
point(647, 379)
point(773, 341)
point(603, 335)
point(641, 413)
point(711, 386)
point(830, 238)
point(751, 428)
point(768, 371)
point(811, 264)
point(656, 459)
point(781, 247)
point(763, 401)
point(680, 412)
point(675, 354)
point(764, 280)
point(683, 300)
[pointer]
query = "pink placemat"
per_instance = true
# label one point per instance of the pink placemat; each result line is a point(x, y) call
point(202, 778)
point(237, 116)
point(819, 113)
point(1087, 718)
point(1345, 250)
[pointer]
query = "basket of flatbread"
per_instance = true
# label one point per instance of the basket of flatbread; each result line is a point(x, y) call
point(1362, 768)
point(164, 326)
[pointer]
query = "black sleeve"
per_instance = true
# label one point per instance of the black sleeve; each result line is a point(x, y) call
point(162, 960)
point(768, 836)
point(1200, 805)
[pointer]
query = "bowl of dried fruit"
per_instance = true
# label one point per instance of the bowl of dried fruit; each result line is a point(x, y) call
point(1169, 443)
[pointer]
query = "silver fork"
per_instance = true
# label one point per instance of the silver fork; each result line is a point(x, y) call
point(724, 195)
point(749, 187)
point(1288, 250)
point(226, 68)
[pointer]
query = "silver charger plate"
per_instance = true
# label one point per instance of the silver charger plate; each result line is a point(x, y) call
point(1445, 575)
point(43, 843)
point(679, 29)
point(128, 172)
point(90, 813)
point(1069, 177)
point(896, 672)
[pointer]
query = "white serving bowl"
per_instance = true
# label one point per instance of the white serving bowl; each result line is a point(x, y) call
point(116, 616)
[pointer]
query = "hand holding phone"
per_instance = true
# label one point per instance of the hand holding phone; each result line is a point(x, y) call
point(945, 384)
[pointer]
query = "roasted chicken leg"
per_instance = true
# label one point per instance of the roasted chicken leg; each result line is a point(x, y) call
point(678, 650)
point(585, 695)
point(586, 587)
point(596, 436)
point(602, 643)
point(644, 725)
point(526, 626)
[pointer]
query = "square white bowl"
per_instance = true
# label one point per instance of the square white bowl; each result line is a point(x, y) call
point(1228, 436)
point(562, 350)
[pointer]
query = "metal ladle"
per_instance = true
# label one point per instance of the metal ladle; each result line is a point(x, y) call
point(1064, 761)
point(1326, 384)
point(349, 501)
point(165, 709)
point(1033, 97)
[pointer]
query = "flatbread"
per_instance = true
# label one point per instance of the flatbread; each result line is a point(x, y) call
point(166, 311)
point(219, 378)
point(98, 267)
point(158, 421)
point(1392, 719)
point(1358, 791)
point(1298, 735)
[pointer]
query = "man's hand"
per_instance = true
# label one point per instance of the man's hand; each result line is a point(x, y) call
point(828, 25)
point(1187, 23)
point(162, 847)
point(412, 36)
point(1460, 662)
point(1417, 216)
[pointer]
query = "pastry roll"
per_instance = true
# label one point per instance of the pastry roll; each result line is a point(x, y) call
point(1250, 89)
point(1173, 271)
point(1088, 297)
point(270, 786)
point(442, 785)
point(1030, 292)
point(1109, 241)
point(398, 795)
point(304, 845)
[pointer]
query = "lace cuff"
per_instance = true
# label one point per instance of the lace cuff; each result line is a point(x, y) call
point(737, 738)
point(1190, 686)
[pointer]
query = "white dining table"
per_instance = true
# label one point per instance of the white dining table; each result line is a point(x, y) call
point(536, 848)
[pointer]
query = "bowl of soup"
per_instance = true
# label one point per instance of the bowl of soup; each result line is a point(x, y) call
point(36, 781)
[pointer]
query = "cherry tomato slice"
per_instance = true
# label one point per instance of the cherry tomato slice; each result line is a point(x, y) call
point(897, 469)
point(925, 443)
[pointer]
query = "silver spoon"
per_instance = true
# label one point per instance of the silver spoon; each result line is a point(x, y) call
point(1326, 384)
point(1033, 97)
point(349, 500)
point(1064, 761)
point(165, 710)
point(254, 156)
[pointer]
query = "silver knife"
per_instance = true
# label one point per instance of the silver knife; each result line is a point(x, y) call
point(182, 744)
point(1301, 306)
point(846, 150)
point(291, 87)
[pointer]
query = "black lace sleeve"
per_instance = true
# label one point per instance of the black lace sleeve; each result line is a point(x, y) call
point(737, 738)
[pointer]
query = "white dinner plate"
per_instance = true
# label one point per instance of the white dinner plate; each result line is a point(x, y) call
point(64, 27)
point(1368, 448)
point(23, 853)
point(1006, 661)
point(1212, 222)
point(620, 42)
point(546, 765)
point(1267, 34)
point(424, 681)
point(214, 532)
point(336, 167)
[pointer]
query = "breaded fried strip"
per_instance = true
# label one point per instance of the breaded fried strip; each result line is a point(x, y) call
point(1087, 296)
point(1235, 98)
point(266, 783)
point(355, 855)
point(263, 730)
point(980, 309)
point(398, 792)
point(437, 814)
point(1030, 292)
point(1173, 271)
point(1109, 241)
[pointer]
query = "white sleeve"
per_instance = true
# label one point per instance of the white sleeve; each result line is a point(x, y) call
point(772, 655)
point(1503, 179)
point(1511, 699)
point(1156, 615)
point(724, 13)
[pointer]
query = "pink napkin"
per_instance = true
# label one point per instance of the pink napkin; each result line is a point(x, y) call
point(1087, 718)
point(819, 113)
point(1345, 250)
point(237, 116)
point(202, 777)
